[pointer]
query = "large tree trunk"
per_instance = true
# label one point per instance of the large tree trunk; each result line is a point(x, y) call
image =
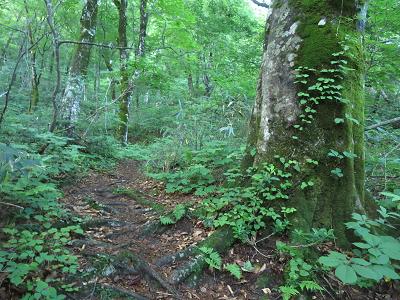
point(75, 86)
point(302, 121)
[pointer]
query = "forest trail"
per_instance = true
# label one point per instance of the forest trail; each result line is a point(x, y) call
point(123, 225)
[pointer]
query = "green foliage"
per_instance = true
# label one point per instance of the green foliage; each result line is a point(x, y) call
point(375, 256)
point(28, 252)
point(177, 213)
point(212, 258)
point(234, 269)
point(300, 274)
point(245, 208)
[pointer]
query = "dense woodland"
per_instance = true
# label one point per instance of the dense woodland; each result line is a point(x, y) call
point(199, 149)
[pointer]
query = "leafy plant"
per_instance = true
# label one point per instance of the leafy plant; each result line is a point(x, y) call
point(212, 258)
point(234, 269)
point(177, 213)
point(375, 256)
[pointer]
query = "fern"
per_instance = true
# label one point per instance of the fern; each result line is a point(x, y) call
point(165, 220)
point(234, 269)
point(179, 211)
point(288, 292)
point(212, 258)
point(310, 286)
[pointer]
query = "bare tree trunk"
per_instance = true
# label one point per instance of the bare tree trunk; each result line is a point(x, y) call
point(56, 56)
point(3, 55)
point(141, 46)
point(190, 84)
point(32, 59)
point(125, 83)
point(75, 86)
point(6, 95)
point(310, 109)
point(206, 77)
point(110, 68)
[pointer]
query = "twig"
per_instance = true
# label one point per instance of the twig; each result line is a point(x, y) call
point(108, 46)
point(261, 4)
point(264, 238)
point(10, 204)
point(384, 123)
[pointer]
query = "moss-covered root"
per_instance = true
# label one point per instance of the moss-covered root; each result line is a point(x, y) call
point(141, 199)
point(115, 291)
point(176, 257)
point(221, 241)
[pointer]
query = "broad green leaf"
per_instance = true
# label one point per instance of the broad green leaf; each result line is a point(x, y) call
point(367, 272)
point(346, 274)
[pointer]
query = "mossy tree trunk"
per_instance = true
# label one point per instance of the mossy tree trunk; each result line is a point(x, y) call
point(309, 102)
point(75, 86)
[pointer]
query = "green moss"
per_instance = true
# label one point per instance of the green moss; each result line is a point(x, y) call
point(140, 198)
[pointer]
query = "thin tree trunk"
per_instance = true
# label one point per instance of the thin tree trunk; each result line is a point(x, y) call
point(141, 46)
point(206, 77)
point(309, 104)
point(7, 44)
point(125, 84)
point(6, 95)
point(75, 86)
point(190, 85)
point(32, 59)
point(110, 68)
point(56, 57)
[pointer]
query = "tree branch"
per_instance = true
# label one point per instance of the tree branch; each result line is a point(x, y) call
point(109, 46)
point(391, 121)
point(261, 4)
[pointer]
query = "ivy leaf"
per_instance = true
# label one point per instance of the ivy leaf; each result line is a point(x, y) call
point(346, 274)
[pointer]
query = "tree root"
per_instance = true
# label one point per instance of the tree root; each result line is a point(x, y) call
point(152, 227)
point(133, 263)
point(98, 222)
point(124, 292)
point(129, 263)
point(220, 241)
point(178, 256)
point(141, 198)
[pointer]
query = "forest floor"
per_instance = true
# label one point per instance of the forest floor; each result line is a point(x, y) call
point(118, 224)
point(123, 204)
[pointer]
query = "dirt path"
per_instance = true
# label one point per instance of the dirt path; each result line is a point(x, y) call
point(116, 230)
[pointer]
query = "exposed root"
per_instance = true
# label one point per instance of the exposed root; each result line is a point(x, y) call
point(141, 198)
point(221, 240)
point(131, 262)
point(93, 223)
point(153, 227)
point(123, 292)
point(181, 255)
